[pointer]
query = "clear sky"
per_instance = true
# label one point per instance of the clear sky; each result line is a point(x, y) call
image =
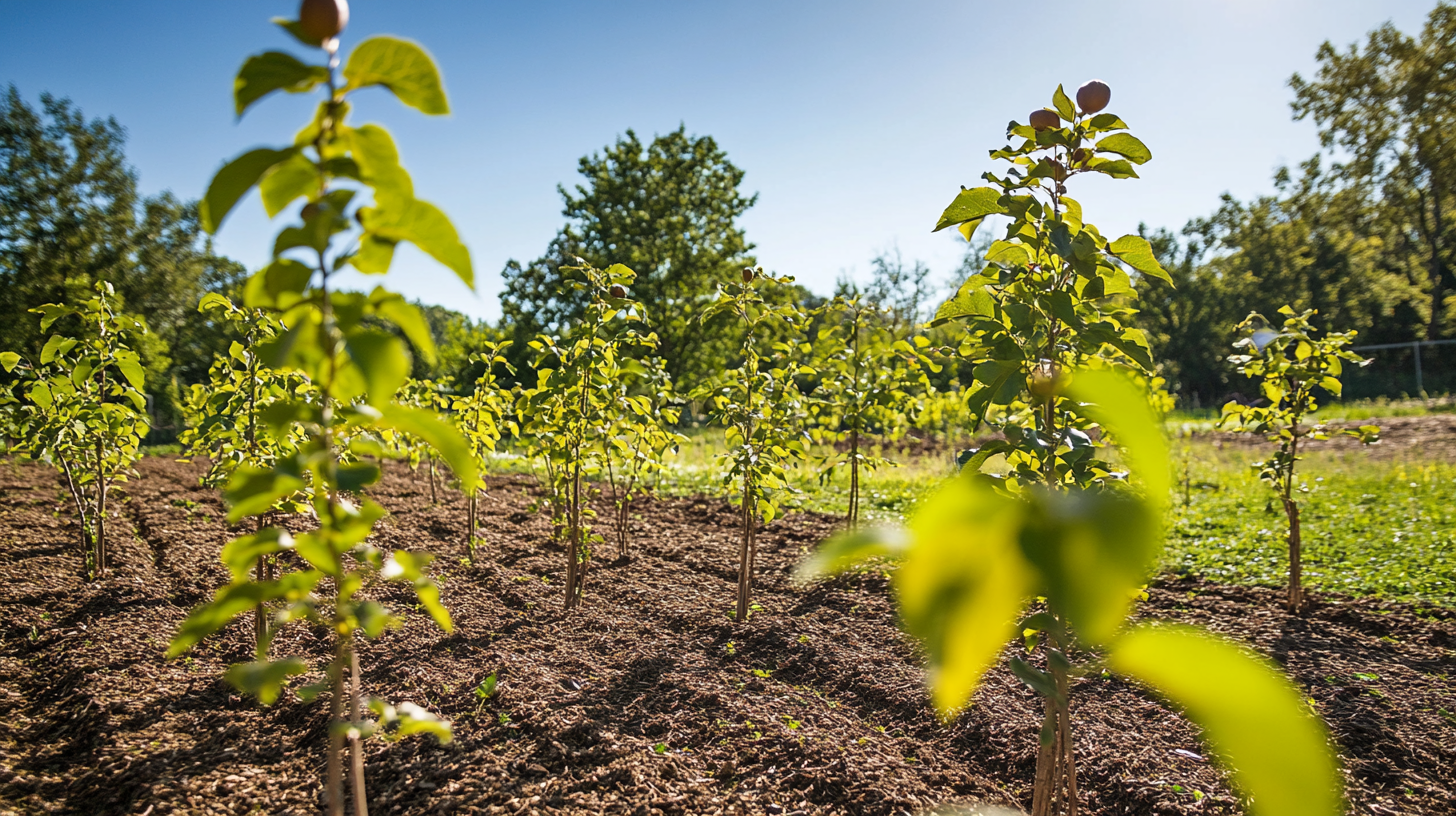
point(855, 121)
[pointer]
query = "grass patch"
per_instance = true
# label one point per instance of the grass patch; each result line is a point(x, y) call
point(1370, 527)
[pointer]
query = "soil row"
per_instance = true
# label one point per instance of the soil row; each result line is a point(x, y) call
point(648, 700)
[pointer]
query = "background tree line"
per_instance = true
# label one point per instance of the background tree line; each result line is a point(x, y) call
point(1362, 232)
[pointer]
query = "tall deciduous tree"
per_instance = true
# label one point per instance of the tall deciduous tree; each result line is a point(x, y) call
point(71, 216)
point(1390, 107)
point(668, 210)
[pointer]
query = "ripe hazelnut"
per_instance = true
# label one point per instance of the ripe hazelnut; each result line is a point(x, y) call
point(310, 210)
point(323, 20)
point(748, 274)
point(1080, 156)
point(1093, 96)
point(618, 292)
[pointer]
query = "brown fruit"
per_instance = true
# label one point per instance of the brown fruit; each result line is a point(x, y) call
point(748, 274)
point(618, 292)
point(1044, 119)
point(310, 210)
point(323, 20)
point(1093, 96)
point(1059, 171)
point(1080, 156)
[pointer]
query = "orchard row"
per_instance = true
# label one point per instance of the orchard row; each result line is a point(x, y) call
point(1065, 502)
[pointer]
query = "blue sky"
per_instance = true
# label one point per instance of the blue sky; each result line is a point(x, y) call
point(855, 121)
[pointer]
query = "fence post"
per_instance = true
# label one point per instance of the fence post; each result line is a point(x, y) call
point(1420, 383)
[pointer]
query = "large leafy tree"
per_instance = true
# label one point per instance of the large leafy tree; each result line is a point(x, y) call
point(71, 216)
point(1314, 244)
point(668, 210)
point(1389, 108)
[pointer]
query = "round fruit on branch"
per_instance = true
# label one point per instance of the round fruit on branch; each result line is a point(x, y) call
point(1044, 119)
point(322, 20)
point(1093, 96)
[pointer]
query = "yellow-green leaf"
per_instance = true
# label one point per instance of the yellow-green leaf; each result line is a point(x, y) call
point(1249, 712)
point(403, 67)
point(962, 584)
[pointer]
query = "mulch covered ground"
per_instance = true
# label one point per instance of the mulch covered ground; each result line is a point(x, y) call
point(648, 700)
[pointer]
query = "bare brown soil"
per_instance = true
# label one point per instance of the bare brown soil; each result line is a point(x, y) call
point(1432, 436)
point(648, 700)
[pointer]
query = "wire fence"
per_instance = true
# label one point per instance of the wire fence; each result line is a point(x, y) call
point(1402, 370)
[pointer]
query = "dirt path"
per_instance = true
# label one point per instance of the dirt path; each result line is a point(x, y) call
point(1431, 437)
point(649, 700)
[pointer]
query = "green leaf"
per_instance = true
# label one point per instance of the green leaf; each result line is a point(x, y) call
point(1330, 384)
point(971, 205)
point(255, 490)
point(401, 66)
point(1118, 169)
point(240, 554)
point(1092, 549)
point(264, 678)
point(355, 477)
point(970, 300)
point(408, 566)
point(1126, 145)
point(411, 719)
point(373, 618)
point(1008, 255)
point(383, 361)
point(1063, 104)
point(52, 348)
point(1136, 252)
point(234, 599)
point(277, 285)
point(1122, 407)
point(273, 71)
point(424, 225)
point(40, 394)
point(1250, 713)
point(378, 161)
point(962, 584)
point(402, 313)
point(447, 441)
point(132, 371)
point(849, 549)
point(374, 256)
point(234, 180)
point(50, 313)
point(286, 181)
point(9, 360)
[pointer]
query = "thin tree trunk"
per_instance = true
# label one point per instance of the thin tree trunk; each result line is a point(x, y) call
point(1046, 763)
point(745, 553)
point(470, 527)
point(1296, 567)
point(79, 498)
point(854, 477)
point(431, 460)
point(356, 745)
point(100, 511)
point(334, 781)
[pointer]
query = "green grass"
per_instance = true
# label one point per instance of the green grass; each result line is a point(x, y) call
point(1370, 527)
point(1377, 527)
point(1354, 410)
